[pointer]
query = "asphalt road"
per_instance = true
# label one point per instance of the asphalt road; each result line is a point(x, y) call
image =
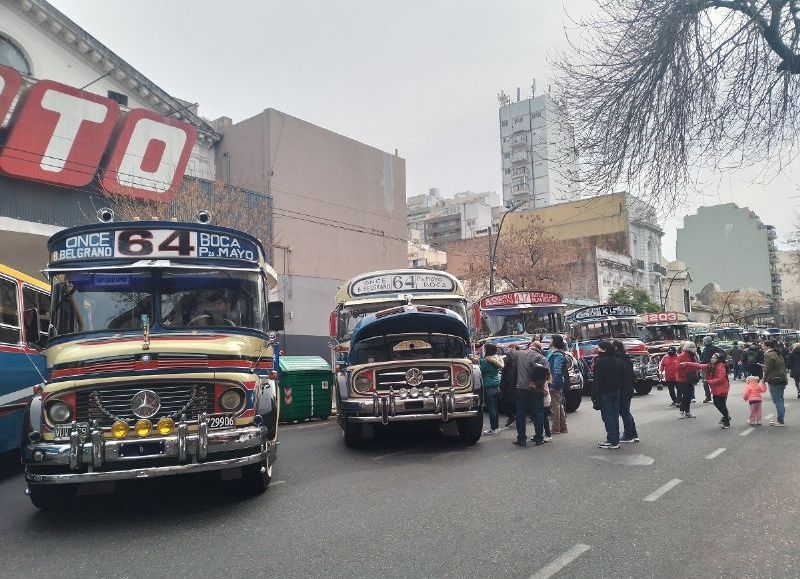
point(422, 505)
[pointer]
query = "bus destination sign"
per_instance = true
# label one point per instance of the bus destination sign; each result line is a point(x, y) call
point(402, 282)
point(520, 298)
point(612, 311)
point(152, 243)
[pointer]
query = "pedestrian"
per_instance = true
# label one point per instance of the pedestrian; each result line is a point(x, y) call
point(687, 378)
point(753, 358)
point(547, 403)
point(794, 366)
point(605, 392)
point(716, 372)
point(668, 368)
point(627, 379)
point(735, 356)
point(559, 378)
point(530, 364)
point(709, 349)
point(508, 387)
point(753, 389)
point(775, 378)
point(491, 366)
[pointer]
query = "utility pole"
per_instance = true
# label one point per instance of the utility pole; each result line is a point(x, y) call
point(493, 248)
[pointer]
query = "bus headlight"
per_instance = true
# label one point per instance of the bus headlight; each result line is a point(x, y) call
point(231, 399)
point(58, 411)
point(462, 377)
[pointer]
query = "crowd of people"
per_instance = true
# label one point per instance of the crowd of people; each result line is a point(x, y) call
point(529, 383)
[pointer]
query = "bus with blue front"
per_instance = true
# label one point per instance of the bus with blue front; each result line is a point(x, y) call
point(160, 359)
point(21, 358)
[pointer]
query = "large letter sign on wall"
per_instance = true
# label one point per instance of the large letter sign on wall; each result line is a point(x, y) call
point(150, 157)
point(9, 85)
point(59, 136)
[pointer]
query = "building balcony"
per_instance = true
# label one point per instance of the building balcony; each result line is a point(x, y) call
point(658, 268)
point(639, 263)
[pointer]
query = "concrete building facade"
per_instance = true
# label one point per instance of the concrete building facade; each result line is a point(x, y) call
point(537, 149)
point(439, 220)
point(730, 246)
point(423, 256)
point(339, 210)
point(789, 269)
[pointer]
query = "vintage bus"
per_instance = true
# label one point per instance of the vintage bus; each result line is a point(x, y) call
point(21, 344)
point(726, 334)
point(590, 325)
point(160, 359)
point(372, 292)
point(516, 317)
point(662, 330)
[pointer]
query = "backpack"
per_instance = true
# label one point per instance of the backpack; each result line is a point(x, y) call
point(693, 376)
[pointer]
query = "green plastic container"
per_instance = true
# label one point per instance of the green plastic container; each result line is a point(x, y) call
point(306, 386)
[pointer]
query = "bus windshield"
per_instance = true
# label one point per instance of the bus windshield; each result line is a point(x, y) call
point(519, 322)
point(92, 302)
point(407, 347)
point(95, 302)
point(729, 334)
point(665, 333)
point(615, 328)
point(349, 316)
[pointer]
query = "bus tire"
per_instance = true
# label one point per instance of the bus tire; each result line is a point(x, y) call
point(470, 429)
point(256, 477)
point(643, 388)
point(352, 434)
point(572, 400)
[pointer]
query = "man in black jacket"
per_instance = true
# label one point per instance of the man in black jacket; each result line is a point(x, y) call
point(606, 391)
point(626, 393)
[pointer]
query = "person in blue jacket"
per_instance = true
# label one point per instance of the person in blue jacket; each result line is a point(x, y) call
point(491, 366)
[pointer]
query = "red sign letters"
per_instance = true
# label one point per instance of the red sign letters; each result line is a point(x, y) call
point(60, 135)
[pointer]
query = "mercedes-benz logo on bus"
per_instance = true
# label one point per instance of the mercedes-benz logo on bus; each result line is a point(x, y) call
point(414, 377)
point(145, 403)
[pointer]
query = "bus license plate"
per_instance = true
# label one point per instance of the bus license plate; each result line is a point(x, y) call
point(216, 421)
point(63, 430)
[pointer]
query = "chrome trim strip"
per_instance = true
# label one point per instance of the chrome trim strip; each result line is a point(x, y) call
point(413, 417)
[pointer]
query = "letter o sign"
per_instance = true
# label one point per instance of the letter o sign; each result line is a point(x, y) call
point(150, 157)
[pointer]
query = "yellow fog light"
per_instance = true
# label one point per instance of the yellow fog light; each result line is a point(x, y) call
point(143, 427)
point(165, 426)
point(119, 429)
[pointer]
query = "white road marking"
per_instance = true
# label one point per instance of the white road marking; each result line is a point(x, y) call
point(560, 562)
point(746, 432)
point(656, 494)
point(381, 457)
point(279, 482)
point(715, 454)
point(315, 425)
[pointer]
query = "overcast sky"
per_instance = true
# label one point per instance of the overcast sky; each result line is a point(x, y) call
point(418, 76)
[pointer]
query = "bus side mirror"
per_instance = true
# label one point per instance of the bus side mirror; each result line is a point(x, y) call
point(31, 319)
point(275, 316)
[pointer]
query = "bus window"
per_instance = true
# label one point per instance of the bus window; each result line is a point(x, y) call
point(32, 299)
point(9, 316)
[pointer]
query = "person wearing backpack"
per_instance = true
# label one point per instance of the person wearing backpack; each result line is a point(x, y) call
point(491, 366)
point(775, 377)
point(709, 349)
point(687, 378)
point(559, 380)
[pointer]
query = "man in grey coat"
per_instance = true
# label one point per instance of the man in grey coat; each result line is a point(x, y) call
point(530, 365)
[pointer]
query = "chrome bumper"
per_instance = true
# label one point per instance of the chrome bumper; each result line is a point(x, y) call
point(386, 408)
point(94, 452)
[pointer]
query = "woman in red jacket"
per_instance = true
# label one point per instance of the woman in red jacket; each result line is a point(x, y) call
point(717, 378)
point(669, 369)
point(686, 379)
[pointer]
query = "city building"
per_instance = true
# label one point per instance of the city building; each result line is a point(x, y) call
point(789, 269)
point(439, 220)
point(339, 206)
point(538, 157)
point(676, 294)
point(730, 246)
point(611, 241)
point(422, 255)
point(334, 207)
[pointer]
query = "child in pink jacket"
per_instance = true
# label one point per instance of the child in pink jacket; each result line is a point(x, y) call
point(752, 394)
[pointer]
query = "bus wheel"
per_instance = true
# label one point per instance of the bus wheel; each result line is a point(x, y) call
point(52, 497)
point(572, 400)
point(352, 434)
point(643, 388)
point(469, 429)
point(256, 477)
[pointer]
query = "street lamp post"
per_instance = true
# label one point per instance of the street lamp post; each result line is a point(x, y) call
point(666, 293)
point(493, 248)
